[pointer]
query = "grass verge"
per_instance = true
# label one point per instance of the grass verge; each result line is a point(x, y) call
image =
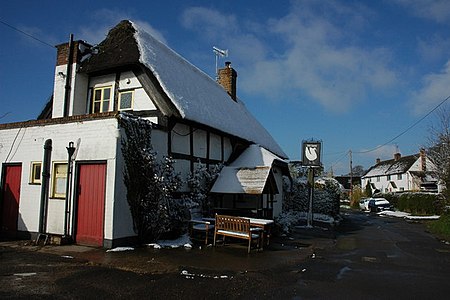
point(441, 227)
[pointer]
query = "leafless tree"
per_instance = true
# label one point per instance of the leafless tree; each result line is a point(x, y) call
point(439, 144)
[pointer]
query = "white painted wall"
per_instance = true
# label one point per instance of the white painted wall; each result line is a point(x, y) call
point(59, 90)
point(141, 100)
point(79, 95)
point(215, 143)
point(181, 139)
point(200, 143)
point(95, 140)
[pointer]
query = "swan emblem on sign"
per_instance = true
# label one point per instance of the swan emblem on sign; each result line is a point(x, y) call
point(311, 153)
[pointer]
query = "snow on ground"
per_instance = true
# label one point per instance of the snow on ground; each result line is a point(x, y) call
point(183, 241)
point(120, 249)
point(188, 275)
point(401, 214)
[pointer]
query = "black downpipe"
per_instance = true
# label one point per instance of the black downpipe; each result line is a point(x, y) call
point(70, 151)
point(68, 78)
point(44, 185)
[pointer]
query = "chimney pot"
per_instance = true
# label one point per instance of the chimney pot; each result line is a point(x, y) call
point(378, 160)
point(397, 156)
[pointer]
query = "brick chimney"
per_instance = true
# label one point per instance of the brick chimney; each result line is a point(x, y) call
point(62, 54)
point(227, 79)
point(377, 161)
point(397, 156)
point(423, 160)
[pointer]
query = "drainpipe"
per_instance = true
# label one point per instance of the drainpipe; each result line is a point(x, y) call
point(45, 185)
point(70, 151)
point(68, 78)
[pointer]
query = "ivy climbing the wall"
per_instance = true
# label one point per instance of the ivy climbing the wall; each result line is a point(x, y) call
point(150, 183)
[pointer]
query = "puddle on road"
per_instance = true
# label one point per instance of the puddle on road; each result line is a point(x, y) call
point(231, 257)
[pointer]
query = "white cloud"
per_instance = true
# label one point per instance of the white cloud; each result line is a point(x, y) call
point(303, 53)
point(434, 48)
point(434, 90)
point(210, 22)
point(436, 10)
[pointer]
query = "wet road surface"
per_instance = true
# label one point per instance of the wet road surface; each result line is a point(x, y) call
point(366, 257)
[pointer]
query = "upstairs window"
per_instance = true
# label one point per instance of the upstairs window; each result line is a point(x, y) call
point(399, 177)
point(101, 99)
point(388, 177)
point(126, 100)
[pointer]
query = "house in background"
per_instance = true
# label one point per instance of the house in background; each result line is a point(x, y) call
point(401, 174)
point(63, 173)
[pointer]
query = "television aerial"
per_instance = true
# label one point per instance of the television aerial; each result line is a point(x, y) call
point(219, 52)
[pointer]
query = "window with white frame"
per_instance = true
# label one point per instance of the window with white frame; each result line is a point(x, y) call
point(399, 177)
point(101, 98)
point(59, 177)
point(126, 100)
point(378, 178)
point(388, 177)
point(35, 172)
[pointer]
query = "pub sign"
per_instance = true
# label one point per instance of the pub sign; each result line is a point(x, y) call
point(311, 152)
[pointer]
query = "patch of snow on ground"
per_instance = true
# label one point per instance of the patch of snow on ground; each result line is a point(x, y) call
point(391, 213)
point(192, 276)
point(422, 217)
point(401, 214)
point(182, 241)
point(120, 249)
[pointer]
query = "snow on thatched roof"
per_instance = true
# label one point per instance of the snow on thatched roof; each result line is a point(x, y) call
point(248, 174)
point(197, 96)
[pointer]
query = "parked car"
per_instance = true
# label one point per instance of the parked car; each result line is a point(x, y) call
point(378, 204)
point(363, 203)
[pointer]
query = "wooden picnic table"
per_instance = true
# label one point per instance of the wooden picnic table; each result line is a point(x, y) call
point(265, 224)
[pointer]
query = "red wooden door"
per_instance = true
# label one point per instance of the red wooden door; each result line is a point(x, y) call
point(10, 198)
point(91, 204)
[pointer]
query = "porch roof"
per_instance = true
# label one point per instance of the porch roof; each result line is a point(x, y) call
point(250, 173)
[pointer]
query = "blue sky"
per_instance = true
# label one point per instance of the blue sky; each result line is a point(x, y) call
point(353, 74)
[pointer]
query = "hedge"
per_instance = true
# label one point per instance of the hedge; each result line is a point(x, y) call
point(417, 203)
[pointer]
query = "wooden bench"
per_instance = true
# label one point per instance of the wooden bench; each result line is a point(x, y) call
point(237, 227)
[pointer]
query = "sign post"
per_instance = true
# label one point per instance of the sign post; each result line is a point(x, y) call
point(311, 158)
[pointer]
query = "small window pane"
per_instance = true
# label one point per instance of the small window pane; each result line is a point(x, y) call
point(105, 106)
point(98, 95)
point(37, 172)
point(126, 100)
point(96, 107)
point(60, 187)
point(106, 94)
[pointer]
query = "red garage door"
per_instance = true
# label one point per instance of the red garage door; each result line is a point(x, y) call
point(91, 204)
point(10, 199)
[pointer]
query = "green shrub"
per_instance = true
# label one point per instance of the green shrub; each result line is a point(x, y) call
point(417, 203)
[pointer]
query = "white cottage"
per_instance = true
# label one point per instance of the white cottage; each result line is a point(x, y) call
point(62, 173)
point(408, 173)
